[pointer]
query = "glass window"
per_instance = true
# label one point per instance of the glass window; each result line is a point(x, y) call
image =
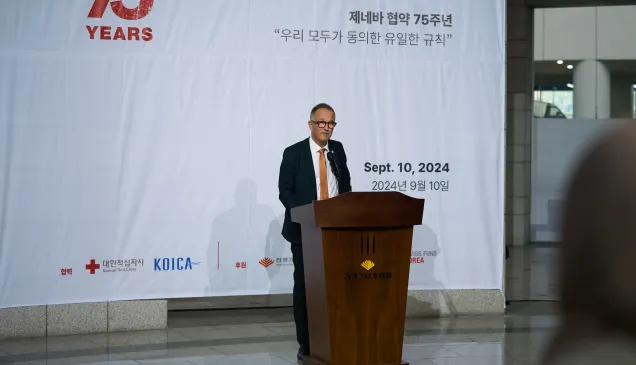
point(562, 99)
point(554, 112)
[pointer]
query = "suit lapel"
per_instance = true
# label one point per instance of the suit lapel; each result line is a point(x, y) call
point(308, 170)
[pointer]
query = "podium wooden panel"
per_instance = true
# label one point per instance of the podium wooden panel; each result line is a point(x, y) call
point(356, 251)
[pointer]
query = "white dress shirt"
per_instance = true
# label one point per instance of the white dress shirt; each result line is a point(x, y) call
point(332, 182)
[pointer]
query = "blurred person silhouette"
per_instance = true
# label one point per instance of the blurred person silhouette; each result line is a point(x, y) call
point(597, 265)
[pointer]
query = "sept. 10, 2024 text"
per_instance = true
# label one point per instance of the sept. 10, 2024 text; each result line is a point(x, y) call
point(407, 167)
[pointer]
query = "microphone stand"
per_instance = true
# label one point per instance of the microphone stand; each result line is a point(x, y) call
point(335, 169)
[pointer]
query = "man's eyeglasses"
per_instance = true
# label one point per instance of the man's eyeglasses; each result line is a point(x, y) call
point(323, 124)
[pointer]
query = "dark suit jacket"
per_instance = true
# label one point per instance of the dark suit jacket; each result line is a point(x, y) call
point(297, 181)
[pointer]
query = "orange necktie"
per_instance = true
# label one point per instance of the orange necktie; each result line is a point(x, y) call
point(324, 188)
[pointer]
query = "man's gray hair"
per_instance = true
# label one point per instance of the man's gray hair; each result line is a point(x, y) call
point(321, 106)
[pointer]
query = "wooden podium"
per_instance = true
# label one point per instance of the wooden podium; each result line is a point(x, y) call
point(357, 250)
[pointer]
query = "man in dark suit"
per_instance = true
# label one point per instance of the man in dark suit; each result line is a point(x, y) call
point(312, 169)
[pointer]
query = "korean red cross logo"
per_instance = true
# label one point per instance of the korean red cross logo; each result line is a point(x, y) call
point(106, 32)
point(92, 266)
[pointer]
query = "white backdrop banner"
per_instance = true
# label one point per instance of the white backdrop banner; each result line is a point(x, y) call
point(140, 140)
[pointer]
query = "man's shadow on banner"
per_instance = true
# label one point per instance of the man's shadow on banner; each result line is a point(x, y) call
point(425, 239)
point(277, 248)
point(234, 238)
point(237, 234)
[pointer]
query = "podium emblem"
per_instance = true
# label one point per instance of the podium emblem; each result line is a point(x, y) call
point(367, 264)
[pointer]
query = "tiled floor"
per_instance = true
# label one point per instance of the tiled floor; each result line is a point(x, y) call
point(266, 337)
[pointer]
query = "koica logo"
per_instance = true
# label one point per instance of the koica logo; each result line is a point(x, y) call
point(267, 262)
point(109, 33)
point(174, 264)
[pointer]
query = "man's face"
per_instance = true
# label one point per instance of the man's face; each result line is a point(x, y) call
point(320, 127)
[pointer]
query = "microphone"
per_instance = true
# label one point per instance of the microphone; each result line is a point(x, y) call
point(331, 156)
